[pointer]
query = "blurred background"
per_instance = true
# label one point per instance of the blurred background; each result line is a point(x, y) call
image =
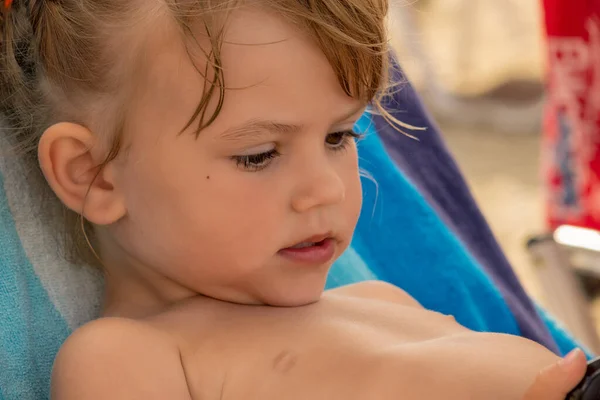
point(480, 66)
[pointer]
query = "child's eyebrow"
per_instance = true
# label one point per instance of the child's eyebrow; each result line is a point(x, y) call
point(254, 126)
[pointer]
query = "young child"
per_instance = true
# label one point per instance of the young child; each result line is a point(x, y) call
point(208, 147)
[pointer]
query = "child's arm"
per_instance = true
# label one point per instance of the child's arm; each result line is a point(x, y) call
point(118, 359)
point(557, 380)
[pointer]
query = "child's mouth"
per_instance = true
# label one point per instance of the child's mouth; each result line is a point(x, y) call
point(310, 251)
point(307, 244)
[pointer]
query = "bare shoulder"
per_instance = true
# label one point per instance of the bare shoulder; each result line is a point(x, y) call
point(377, 290)
point(116, 358)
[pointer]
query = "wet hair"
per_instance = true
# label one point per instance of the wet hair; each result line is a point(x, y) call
point(68, 60)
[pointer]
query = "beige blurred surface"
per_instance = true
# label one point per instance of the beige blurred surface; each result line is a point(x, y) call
point(471, 46)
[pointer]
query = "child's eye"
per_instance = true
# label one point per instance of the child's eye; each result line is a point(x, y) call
point(339, 140)
point(255, 162)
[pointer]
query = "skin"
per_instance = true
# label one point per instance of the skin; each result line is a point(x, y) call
point(200, 302)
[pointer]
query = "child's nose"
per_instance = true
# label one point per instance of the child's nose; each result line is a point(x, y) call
point(318, 186)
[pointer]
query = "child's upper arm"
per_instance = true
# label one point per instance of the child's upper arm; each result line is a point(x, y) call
point(118, 359)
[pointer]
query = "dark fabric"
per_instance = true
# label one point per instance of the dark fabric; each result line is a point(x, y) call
point(429, 165)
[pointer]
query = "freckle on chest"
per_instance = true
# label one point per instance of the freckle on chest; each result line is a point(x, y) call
point(284, 362)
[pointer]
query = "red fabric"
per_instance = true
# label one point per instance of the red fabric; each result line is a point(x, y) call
point(571, 142)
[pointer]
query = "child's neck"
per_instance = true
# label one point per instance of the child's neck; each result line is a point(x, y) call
point(135, 298)
point(133, 290)
point(137, 292)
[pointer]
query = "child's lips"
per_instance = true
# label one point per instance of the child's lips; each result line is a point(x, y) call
point(311, 251)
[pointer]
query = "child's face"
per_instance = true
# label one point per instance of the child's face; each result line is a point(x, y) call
point(196, 217)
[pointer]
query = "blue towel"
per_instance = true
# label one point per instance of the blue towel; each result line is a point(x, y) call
point(401, 240)
point(413, 245)
point(457, 284)
point(428, 164)
point(42, 297)
point(31, 329)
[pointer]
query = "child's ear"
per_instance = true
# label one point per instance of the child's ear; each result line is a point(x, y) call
point(70, 160)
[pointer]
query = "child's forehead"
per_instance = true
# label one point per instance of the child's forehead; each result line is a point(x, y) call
point(272, 71)
point(248, 34)
point(258, 52)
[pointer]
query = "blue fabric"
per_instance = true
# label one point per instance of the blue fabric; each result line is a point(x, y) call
point(31, 329)
point(563, 339)
point(403, 241)
point(429, 165)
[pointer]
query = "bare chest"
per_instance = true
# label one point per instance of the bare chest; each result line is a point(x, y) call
point(335, 349)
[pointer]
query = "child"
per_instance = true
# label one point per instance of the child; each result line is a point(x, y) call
point(208, 147)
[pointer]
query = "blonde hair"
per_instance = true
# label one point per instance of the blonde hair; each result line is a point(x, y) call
point(57, 64)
